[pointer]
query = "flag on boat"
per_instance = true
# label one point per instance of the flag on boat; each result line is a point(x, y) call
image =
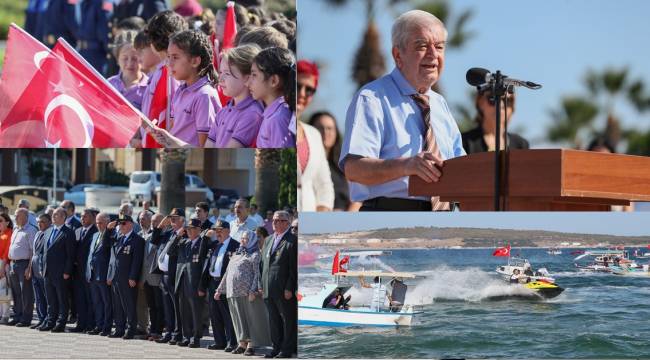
point(502, 251)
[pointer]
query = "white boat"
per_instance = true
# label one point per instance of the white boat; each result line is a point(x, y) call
point(313, 310)
point(606, 261)
point(516, 263)
point(554, 251)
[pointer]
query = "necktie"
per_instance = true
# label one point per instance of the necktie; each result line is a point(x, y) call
point(430, 144)
point(54, 234)
point(276, 242)
point(83, 234)
point(99, 240)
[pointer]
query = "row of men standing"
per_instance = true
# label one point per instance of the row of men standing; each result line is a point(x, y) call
point(85, 24)
point(176, 262)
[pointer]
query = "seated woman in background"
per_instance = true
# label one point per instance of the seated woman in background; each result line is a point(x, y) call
point(483, 137)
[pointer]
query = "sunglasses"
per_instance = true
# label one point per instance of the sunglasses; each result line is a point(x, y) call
point(279, 220)
point(309, 91)
point(492, 100)
point(122, 223)
point(294, 228)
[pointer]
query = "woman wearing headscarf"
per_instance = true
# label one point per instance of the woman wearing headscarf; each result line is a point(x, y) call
point(242, 286)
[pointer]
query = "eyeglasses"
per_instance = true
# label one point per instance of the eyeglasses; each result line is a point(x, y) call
point(279, 220)
point(492, 100)
point(309, 91)
point(294, 229)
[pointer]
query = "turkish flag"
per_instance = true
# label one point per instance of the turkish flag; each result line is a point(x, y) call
point(335, 263)
point(345, 260)
point(502, 251)
point(64, 104)
point(158, 105)
point(229, 27)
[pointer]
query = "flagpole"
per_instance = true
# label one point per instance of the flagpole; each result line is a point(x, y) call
point(54, 179)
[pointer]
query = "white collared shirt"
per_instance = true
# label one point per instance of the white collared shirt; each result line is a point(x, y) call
point(215, 269)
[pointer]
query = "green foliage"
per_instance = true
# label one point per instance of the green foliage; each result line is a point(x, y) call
point(113, 177)
point(638, 142)
point(11, 11)
point(287, 193)
point(575, 113)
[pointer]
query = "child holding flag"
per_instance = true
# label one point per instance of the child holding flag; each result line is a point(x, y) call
point(130, 81)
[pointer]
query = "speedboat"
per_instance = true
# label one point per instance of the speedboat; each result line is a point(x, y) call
point(554, 251)
point(313, 310)
point(606, 261)
point(539, 281)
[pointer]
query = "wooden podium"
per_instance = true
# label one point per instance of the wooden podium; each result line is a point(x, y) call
point(542, 180)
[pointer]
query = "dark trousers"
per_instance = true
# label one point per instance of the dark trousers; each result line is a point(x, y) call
point(283, 316)
point(101, 304)
point(168, 286)
point(191, 309)
point(118, 313)
point(83, 300)
point(96, 58)
point(222, 329)
point(128, 297)
point(38, 283)
point(154, 298)
point(56, 293)
point(395, 204)
point(22, 291)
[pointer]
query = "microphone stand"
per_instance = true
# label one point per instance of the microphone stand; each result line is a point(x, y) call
point(498, 91)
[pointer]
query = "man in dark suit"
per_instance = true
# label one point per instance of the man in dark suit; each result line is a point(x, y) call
point(81, 286)
point(128, 250)
point(44, 223)
point(58, 260)
point(99, 255)
point(150, 282)
point(163, 236)
point(218, 258)
point(71, 220)
point(191, 254)
point(279, 283)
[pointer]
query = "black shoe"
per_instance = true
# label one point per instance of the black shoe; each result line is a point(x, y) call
point(36, 326)
point(105, 333)
point(173, 342)
point(229, 348)
point(129, 335)
point(183, 343)
point(216, 347)
point(271, 355)
point(116, 334)
point(20, 324)
point(13, 322)
point(282, 355)
point(77, 330)
point(94, 331)
point(163, 340)
point(238, 350)
point(46, 327)
point(58, 329)
point(249, 352)
point(195, 344)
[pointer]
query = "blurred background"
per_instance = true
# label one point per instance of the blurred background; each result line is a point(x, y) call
point(590, 56)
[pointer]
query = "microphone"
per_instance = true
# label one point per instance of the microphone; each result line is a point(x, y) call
point(480, 76)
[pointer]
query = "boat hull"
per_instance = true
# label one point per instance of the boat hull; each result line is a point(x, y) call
point(337, 317)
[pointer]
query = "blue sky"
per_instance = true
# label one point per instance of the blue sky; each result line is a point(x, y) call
point(626, 224)
point(549, 42)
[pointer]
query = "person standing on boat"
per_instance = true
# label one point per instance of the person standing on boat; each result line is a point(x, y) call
point(378, 293)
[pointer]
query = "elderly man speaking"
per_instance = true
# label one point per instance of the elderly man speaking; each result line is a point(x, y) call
point(397, 126)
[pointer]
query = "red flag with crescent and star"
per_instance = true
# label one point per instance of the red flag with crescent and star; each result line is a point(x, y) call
point(63, 102)
point(502, 251)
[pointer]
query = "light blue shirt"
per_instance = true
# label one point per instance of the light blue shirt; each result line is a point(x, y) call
point(384, 122)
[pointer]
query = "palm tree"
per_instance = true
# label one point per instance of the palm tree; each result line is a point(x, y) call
point(172, 182)
point(574, 114)
point(267, 178)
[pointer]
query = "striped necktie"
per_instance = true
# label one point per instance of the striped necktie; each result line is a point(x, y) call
point(430, 144)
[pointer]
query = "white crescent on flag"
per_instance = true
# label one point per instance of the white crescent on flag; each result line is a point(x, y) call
point(72, 103)
point(38, 58)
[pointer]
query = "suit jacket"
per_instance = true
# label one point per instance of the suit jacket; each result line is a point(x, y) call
point(164, 240)
point(83, 248)
point(99, 255)
point(191, 260)
point(280, 267)
point(74, 223)
point(37, 257)
point(211, 257)
point(59, 257)
point(127, 257)
point(473, 141)
point(149, 259)
point(141, 8)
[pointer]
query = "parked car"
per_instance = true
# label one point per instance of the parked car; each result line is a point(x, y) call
point(143, 184)
point(77, 193)
point(225, 197)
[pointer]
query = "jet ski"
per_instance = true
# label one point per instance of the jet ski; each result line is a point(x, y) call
point(519, 272)
point(544, 289)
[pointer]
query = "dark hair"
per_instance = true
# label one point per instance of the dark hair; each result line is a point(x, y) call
point(196, 44)
point(10, 225)
point(284, 26)
point(333, 155)
point(161, 27)
point(263, 231)
point(46, 216)
point(141, 40)
point(241, 32)
point(486, 91)
point(280, 61)
point(241, 15)
point(132, 23)
point(601, 141)
point(203, 205)
point(265, 37)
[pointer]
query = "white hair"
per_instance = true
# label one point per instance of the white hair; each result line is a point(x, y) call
point(405, 23)
point(128, 208)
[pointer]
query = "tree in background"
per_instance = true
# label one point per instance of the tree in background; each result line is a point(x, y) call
point(275, 179)
point(288, 179)
point(172, 179)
